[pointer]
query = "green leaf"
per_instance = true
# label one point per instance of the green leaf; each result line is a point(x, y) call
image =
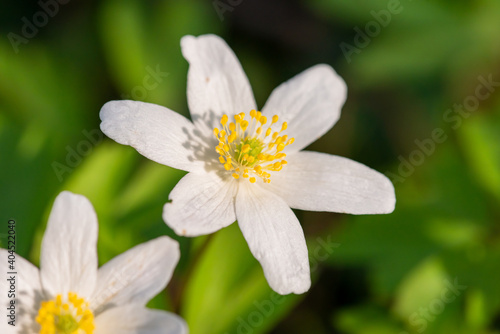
point(421, 287)
point(365, 319)
point(479, 137)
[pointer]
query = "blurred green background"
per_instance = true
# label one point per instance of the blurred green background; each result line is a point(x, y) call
point(433, 266)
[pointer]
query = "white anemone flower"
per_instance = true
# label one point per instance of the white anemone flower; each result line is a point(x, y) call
point(70, 295)
point(248, 165)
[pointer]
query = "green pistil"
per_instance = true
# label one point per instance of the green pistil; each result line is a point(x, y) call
point(256, 146)
point(66, 324)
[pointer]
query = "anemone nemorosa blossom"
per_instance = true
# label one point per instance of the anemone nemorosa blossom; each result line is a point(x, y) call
point(70, 295)
point(248, 165)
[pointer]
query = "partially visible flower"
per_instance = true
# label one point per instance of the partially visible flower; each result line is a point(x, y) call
point(247, 165)
point(69, 295)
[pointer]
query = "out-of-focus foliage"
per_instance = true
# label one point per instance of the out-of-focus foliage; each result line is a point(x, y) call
point(433, 266)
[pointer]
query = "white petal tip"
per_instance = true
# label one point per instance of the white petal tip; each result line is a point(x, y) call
point(298, 286)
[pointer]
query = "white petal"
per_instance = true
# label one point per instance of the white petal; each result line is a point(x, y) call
point(322, 182)
point(310, 103)
point(156, 132)
point(217, 84)
point(28, 294)
point(200, 204)
point(68, 261)
point(275, 238)
point(136, 319)
point(137, 275)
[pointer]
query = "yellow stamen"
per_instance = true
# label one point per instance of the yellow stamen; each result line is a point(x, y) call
point(70, 315)
point(248, 153)
point(224, 120)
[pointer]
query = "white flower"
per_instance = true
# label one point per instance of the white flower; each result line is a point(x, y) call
point(243, 164)
point(70, 295)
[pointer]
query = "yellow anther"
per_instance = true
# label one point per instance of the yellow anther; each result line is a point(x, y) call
point(290, 141)
point(245, 152)
point(224, 120)
point(71, 315)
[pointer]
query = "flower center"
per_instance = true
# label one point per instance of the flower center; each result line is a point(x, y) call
point(247, 150)
point(69, 315)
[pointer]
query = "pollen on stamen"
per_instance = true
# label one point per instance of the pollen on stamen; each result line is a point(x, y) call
point(249, 152)
point(65, 315)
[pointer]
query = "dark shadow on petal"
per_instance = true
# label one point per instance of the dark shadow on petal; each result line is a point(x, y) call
point(202, 142)
point(27, 312)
